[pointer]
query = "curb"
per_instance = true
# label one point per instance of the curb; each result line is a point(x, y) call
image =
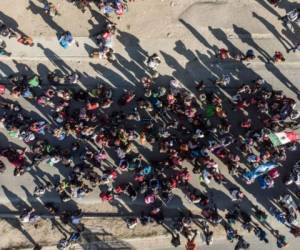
point(147, 243)
point(16, 215)
point(87, 58)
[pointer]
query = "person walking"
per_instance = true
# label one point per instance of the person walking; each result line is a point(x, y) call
point(260, 233)
point(191, 245)
point(3, 52)
point(50, 9)
point(241, 244)
point(278, 57)
point(236, 194)
point(26, 40)
point(280, 239)
point(295, 231)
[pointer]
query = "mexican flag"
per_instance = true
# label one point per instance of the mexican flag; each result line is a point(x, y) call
point(282, 138)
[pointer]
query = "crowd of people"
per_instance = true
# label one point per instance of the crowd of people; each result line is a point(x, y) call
point(90, 127)
point(107, 7)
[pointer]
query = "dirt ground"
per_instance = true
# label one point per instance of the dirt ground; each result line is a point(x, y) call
point(15, 235)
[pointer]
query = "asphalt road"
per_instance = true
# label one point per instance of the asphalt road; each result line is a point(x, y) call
point(187, 48)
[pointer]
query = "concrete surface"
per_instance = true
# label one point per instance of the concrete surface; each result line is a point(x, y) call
point(186, 33)
point(163, 243)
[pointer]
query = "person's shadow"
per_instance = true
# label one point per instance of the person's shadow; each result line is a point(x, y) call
point(16, 222)
point(246, 37)
point(48, 19)
point(11, 23)
point(283, 40)
point(55, 59)
point(282, 78)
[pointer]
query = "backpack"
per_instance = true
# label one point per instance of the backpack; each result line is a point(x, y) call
point(34, 81)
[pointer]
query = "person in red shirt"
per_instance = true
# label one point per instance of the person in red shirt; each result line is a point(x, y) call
point(246, 124)
point(275, 2)
point(243, 104)
point(106, 196)
point(278, 57)
point(223, 54)
point(26, 40)
point(191, 245)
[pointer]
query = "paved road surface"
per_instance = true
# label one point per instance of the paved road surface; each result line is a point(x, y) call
point(152, 244)
point(187, 39)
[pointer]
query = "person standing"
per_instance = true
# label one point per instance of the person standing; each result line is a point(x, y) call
point(295, 231)
point(261, 234)
point(191, 245)
point(278, 57)
point(236, 194)
point(50, 9)
point(241, 244)
point(280, 239)
point(3, 52)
